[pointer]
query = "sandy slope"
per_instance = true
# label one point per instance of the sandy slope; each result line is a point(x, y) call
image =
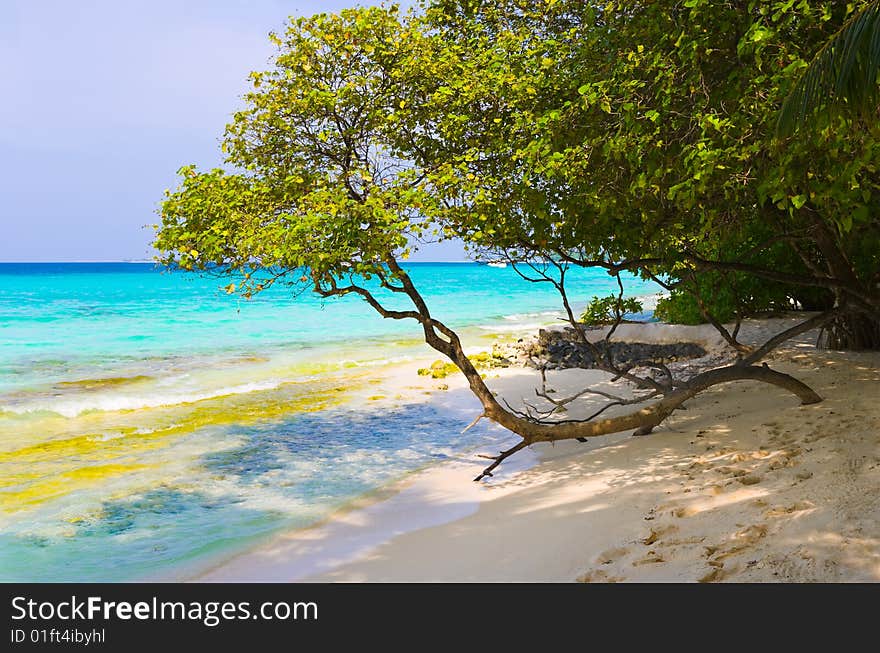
point(745, 485)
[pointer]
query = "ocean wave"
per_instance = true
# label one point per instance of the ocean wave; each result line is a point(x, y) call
point(529, 316)
point(649, 302)
point(76, 406)
point(113, 394)
point(511, 328)
point(376, 362)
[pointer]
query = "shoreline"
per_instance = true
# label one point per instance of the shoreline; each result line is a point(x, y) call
point(710, 496)
point(432, 496)
point(117, 448)
point(404, 385)
point(401, 384)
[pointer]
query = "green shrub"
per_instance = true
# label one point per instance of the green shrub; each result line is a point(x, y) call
point(681, 308)
point(603, 310)
point(749, 295)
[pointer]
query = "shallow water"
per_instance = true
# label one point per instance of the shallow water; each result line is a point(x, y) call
point(149, 420)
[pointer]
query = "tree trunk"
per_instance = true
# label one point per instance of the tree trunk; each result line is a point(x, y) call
point(855, 331)
point(642, 420)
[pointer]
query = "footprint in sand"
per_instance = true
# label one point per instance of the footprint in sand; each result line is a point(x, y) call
point(716, 574)
point(781, 463)
point(716, 555)
point(774, 429)
point(697, 466)
point(751, 534)
point(783, 440)
point(611, 555)
point(656, 533)
point(598, 576)
point(651, 558)
point(779, 511)
point(731, 471)
point(785, 458)
point(744, 456)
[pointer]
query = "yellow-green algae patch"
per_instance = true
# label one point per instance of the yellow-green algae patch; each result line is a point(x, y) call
point(108, 429)
point(18, 478)
point(84, 447)
point(484, 360)
point(43, 471)
point(99, 384)
point(58, 486)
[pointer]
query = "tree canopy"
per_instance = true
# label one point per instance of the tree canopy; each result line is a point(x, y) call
point(633, 136)
point(647, 135)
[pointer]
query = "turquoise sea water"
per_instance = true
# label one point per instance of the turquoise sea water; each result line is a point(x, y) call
point(149, 420)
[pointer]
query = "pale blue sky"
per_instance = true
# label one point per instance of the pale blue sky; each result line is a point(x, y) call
point(103, 100)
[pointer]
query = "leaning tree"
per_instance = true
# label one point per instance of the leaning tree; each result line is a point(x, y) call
point(560, 136)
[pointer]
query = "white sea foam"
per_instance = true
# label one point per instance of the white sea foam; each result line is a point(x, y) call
point(377, 362)
point(529, 316)
point(511, 328)
point(75, 406)
point(649, 302)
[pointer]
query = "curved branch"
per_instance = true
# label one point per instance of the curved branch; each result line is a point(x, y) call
point(812, 281)
point(807, 325)
point(532, 430)
point(651, 416)
point(337, 291)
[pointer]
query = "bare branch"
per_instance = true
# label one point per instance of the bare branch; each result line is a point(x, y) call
point(618, 317)
point(473, 423)
point(710, 318)
point(499, 458)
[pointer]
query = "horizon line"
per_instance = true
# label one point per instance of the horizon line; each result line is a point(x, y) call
point(152, 261)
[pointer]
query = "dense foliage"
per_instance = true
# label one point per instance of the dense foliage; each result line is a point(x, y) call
point(842, 77)
point(643, 133)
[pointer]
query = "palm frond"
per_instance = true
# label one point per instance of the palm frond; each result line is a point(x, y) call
point(843, 75)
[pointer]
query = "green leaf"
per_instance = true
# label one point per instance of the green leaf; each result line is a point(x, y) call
point(798, 201)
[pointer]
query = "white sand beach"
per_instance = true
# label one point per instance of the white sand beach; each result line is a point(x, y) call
point(744, 485)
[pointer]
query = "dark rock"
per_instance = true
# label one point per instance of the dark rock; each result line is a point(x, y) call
point(560, 349)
